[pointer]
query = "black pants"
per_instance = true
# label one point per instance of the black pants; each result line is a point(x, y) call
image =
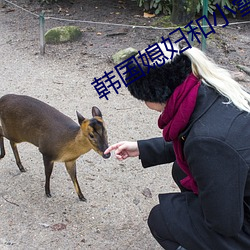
point(156, 222)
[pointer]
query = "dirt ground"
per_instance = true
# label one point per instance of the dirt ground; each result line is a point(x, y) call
point(119, 195)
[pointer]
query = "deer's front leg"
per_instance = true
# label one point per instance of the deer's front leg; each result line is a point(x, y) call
point(71, 168)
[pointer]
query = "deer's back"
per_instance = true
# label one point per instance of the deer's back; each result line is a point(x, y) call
point(24, 118)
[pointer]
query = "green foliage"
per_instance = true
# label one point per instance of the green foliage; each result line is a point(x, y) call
point(165, 6)
point(212, 7)
point(157, 6)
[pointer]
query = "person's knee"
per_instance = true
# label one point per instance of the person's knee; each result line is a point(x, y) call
point(159, 229)
point(153, 218)
point(156, 223)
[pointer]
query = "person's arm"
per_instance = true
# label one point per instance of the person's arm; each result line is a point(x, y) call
point(124, 149)
point(155, 151)
point(151, 152)
point(220, 173)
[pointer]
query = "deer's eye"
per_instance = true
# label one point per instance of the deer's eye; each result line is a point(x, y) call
point(91, 136)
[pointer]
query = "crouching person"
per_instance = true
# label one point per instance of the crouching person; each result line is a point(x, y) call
point(205, 120)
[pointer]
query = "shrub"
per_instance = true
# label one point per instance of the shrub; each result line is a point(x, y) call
point(212, 7)
point(165, 6)
point(157, 6)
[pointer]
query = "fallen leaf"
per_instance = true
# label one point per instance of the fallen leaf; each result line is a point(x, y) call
point(58, 227)
point(147, 15)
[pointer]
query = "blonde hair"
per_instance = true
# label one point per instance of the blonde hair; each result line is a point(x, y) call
point(216, 77)
point(220, 79)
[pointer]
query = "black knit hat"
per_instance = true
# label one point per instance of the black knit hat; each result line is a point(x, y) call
point(161, 81)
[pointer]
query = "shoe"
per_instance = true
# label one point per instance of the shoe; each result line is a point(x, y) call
point(181, 248)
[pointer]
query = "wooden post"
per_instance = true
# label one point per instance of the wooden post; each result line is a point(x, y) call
point(204, 13)
point(42, 32)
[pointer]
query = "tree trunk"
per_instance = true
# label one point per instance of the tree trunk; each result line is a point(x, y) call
point(183, 11)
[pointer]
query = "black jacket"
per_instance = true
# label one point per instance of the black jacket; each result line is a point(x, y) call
point(216, 145)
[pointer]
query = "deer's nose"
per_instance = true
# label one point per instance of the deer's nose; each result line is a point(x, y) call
point(106, 156)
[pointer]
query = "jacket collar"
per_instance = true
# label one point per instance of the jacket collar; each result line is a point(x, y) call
point(205, 99)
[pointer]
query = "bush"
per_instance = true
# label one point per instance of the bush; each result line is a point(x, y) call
point(165, 6)
point(156, 6)
point(212, 7)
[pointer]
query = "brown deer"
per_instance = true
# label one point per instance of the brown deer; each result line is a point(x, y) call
point(59, 139)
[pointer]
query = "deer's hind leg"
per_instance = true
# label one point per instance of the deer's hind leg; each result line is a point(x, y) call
point(71, 168)
point(1, 144)
point(18, 161)
point(48, 164)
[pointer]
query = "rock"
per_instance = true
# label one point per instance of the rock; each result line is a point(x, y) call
point(45, 225)
point(62, 34)
point(239, 76)
point(2, 3)
point(123, 54)
point(147, 193)
point(136, 201)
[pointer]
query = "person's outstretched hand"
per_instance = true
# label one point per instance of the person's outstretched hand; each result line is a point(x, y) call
point(124, 149)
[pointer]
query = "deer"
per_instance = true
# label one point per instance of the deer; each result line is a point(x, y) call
point(58, 137)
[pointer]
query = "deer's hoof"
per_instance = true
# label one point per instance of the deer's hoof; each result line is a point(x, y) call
point(82, 198)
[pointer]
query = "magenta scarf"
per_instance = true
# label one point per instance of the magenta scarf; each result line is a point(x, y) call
point(174, 119)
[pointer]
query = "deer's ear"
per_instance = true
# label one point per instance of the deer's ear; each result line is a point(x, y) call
point(96, 112)
point(80, 118)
